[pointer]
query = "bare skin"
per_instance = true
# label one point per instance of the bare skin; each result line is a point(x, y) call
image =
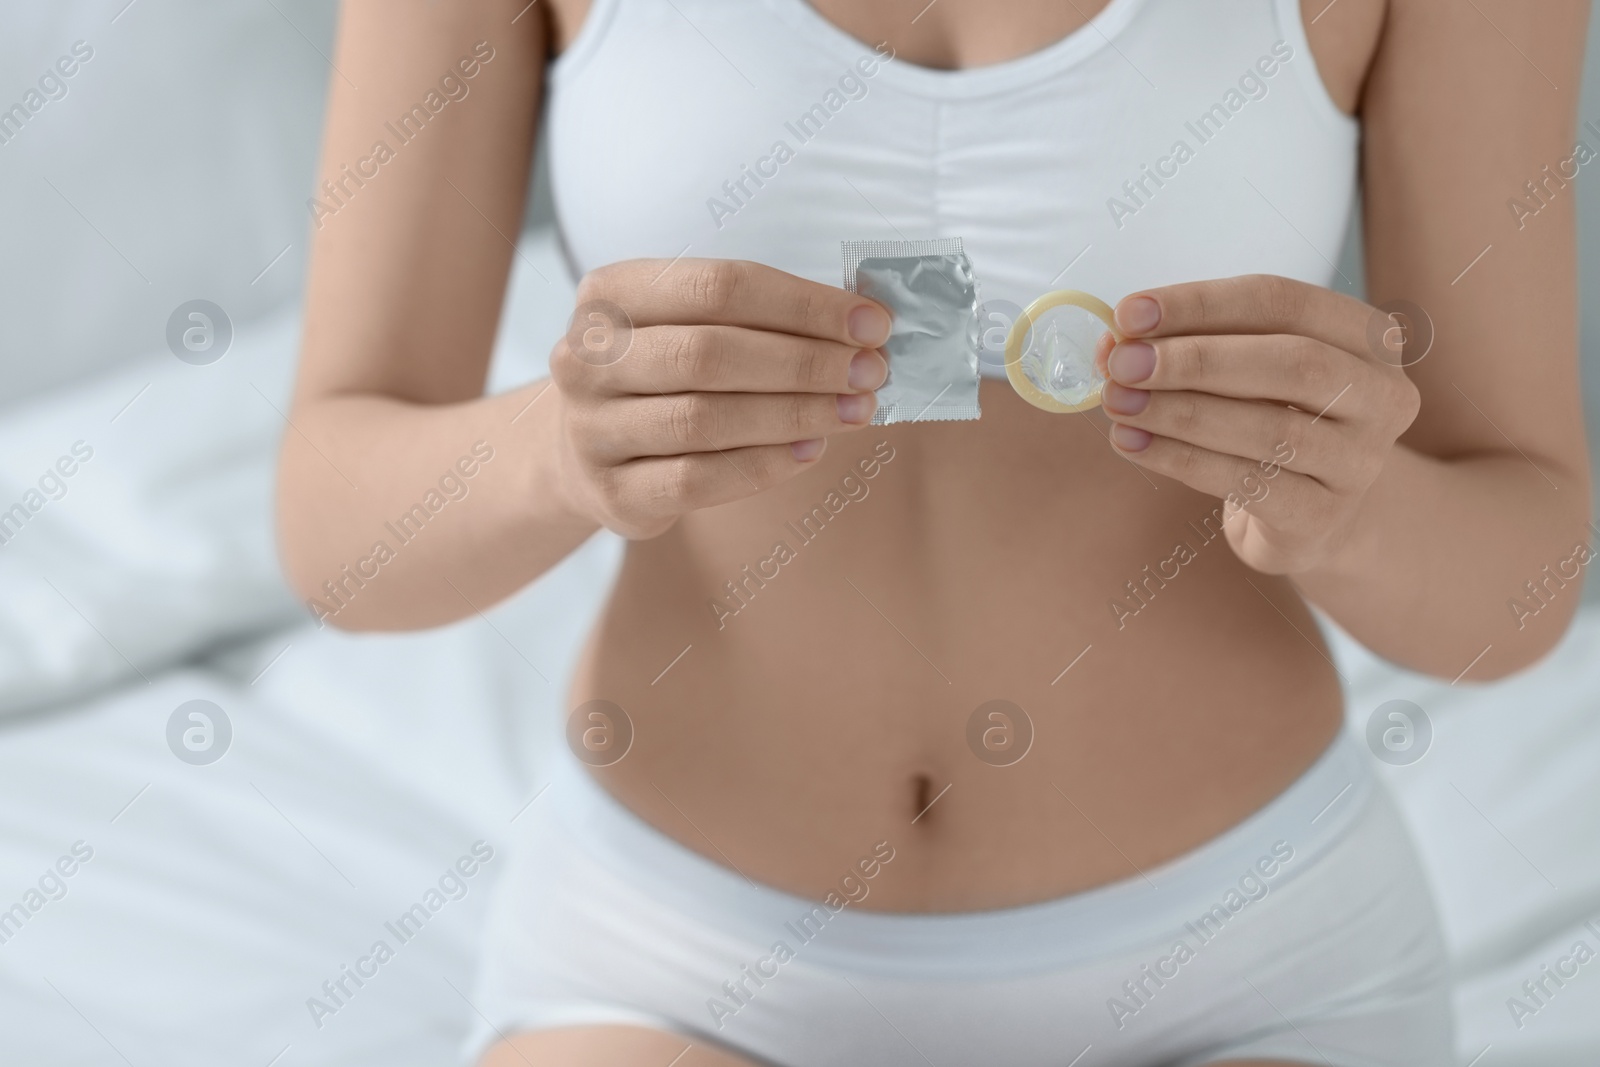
point(607, 1046)
point(832, 712)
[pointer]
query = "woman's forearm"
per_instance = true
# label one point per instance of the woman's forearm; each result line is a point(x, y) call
point(1476, 562)
point(397, 516)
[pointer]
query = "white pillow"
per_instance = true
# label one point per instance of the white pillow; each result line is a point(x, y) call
point(175, 167)
point(135, 513)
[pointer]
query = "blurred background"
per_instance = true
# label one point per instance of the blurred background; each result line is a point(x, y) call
point(209, 808)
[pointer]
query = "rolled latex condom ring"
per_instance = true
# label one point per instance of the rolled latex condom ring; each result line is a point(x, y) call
point(1016, 340)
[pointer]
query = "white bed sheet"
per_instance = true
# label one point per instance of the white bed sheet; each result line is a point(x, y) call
point(219, 898)
point(1505, 808)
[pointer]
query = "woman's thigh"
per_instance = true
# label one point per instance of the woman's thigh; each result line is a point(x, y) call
point(608, 1046)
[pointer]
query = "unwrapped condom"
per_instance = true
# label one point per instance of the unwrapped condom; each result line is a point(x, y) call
point(1051, 366)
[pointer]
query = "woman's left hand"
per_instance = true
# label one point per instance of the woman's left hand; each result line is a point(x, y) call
point(1265, 392)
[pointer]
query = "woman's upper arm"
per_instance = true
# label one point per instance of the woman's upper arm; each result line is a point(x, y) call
point(425, 162)
point(1468, 100)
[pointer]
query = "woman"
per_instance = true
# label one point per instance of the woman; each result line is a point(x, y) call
point(807, 833)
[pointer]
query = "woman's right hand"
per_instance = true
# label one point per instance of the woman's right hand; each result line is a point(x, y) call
point(693, 383)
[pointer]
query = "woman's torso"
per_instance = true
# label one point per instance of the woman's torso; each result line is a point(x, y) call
point(801, 689)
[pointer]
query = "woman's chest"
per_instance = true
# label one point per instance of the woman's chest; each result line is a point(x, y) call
point(1171, 140)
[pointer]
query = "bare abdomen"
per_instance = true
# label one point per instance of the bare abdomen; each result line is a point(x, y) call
point(831, 643)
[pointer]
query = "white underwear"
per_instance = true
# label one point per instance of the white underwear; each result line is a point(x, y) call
point(1306, 933)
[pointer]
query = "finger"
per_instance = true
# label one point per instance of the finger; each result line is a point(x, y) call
point(683, 359)
point(1265, 490)
point(1254, 303)
point(1103, 347)
point(1286, 368)
point(681, 423)
point(688, 292)
point(664, 486)
point(1248, 429)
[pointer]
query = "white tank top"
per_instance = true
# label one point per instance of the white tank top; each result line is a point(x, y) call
point(1165, 141)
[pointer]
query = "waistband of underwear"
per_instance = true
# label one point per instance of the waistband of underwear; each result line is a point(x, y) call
point(1232, 871)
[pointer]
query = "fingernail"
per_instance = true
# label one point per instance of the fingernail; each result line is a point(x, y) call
point(1132, 361)
point(1120, 400)
point(806, 451)
point(856, 407)
point(869, 326)
point(1138, 314)
point(1129, 438)
point(868, 370)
